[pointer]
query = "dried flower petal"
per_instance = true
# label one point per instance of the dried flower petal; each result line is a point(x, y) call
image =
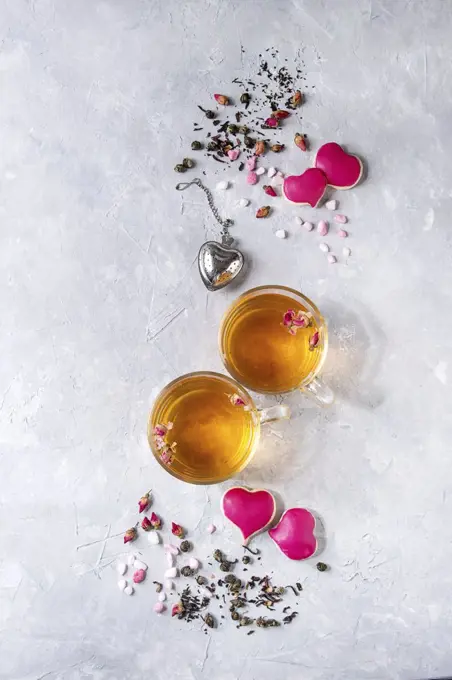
point(288, 317)
point(260, 148)
point(296, 99)
point(280, 114)
point(263, 212)
point(221, 99)
point(139, 575)
point(269, 190)
point(130, 535)
point(271, 122)
point(314, 340)
point(144, 502)
point(177, 530)
point(160, 430)
point(167, 456)
point(236, 400)
point(177, 609)
point(300, 141)
point(156, 521)
point(146, 524)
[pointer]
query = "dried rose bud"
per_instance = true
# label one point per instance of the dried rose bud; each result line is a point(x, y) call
point(177, 530)
point(130, 535)
point(264, 211)
point(296, 99)
point(245, 98)
point(221, 99)
point(146, 524)
point(260, 148)
point(269, 190)
point(300, 141)
point(178, 609)
point(277, 147)
point(156, 521)
point(249, 142)
point(280, 114)
point(212, 146)
point(139, 575)
point(271, 123)
point(314, 340)
point(180, 168)
point(236, 400)
point(144, 502)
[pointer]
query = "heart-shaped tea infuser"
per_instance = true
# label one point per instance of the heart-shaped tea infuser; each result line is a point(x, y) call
point(218, 263)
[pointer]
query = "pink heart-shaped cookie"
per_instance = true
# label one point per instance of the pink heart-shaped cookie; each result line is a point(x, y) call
point(294, 534)
point(250, 510)
point(305, 189)
point(342, 170)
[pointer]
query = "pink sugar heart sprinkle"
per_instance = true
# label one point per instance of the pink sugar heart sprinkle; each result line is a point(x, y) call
point(340, 219)
point(251, 178)
point(233, 154)
point(342, 233)
point(322, 228)
point(251, 163)
point(139, 576)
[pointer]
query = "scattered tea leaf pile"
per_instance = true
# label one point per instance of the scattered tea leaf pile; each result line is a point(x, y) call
point(254, 113)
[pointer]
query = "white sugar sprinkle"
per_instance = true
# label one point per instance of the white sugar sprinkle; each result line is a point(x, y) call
point(170, 573)
point(346, 252)
point(211, 529)
point(170, 559)
point(308, 226)
point(129, 590)
point(331, 205)
point(193, 563)
point(222, 186)
point(162, 597)
point(271, 172)
point(131, 560)
point(121, 568)
point(122, 584)
point(299, 220)
point(154, 537)
point(140, 565)
point(324, 247)
point(243, 203)
point(168, 584)
point(281, 233)
point(260, 171)
point(331, 259)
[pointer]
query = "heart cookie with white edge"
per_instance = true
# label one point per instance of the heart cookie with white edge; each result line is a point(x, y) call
point(307, 188)
point(295, 534)
point(342, 169)
point(251, 510)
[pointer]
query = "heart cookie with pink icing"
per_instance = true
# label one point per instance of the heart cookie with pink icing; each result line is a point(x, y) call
point(342, 169)
point(251, 510)
point(307, 188)
point(295, 534)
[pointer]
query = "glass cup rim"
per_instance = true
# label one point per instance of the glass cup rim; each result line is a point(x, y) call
point(167, 388)
point(269, 288)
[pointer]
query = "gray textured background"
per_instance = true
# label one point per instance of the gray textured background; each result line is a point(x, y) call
point(97, 255)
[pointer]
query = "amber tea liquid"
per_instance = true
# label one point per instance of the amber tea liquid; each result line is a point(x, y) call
point(211, 437)
point(259, 352)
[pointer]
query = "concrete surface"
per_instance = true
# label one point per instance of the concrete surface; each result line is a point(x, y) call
point(97, 256)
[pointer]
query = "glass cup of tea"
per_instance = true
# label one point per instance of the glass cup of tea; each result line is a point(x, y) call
point(274, 339)
point(204, 427)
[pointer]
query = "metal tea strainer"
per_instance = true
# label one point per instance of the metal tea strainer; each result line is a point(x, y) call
point(218, 263)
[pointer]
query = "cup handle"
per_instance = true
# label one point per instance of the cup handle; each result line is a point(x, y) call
point(269, 415)
point(319, 392)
